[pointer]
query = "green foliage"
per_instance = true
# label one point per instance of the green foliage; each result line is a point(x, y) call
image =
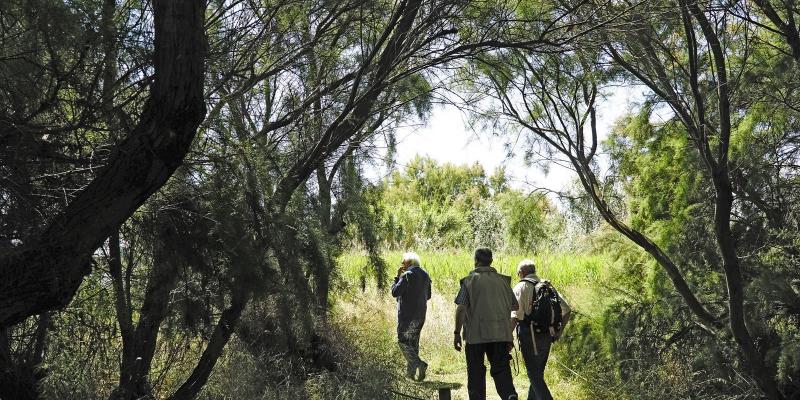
point(431, 206)
point(366, 369)
point(667, 193)
point(531, 220)
point(71, 90)
point(576, 276)
point(82, 361)
point(446, 268)
point(489, 227)
point(662, 176)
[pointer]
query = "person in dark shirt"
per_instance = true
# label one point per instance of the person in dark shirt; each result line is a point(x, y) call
point(412, 288)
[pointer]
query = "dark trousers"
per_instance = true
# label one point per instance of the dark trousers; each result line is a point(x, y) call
point(535, 363)
point(500, 369)
point(408, 333)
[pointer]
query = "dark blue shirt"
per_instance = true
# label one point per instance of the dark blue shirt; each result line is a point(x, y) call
point(413, 290)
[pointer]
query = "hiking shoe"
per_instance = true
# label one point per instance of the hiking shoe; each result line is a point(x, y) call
point(423, 367)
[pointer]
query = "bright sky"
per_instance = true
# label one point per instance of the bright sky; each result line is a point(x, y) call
point(447, 138)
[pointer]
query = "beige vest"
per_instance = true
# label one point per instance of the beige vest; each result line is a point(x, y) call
point(489, 310)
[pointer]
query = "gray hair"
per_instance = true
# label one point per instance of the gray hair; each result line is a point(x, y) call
point(526, 266)
point(412, 258)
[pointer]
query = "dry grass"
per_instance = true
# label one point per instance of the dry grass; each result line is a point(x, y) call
point(375, 311)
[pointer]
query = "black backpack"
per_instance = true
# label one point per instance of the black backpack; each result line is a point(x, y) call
point(545, 308)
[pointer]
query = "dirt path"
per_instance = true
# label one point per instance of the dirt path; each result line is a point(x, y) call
point(377, 314)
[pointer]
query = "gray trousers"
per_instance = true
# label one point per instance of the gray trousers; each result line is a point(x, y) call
point(408, 333)
point(535, 361)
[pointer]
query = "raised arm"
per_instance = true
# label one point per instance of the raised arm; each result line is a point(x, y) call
point(400, 284)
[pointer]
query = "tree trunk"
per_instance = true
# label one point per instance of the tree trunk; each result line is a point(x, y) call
point(723, 202)
point(788, 28)
point(319, 251)
point(325, 200)
point(139, 348)
point(219, 338)
point(735, 285)
point(16, 378)
point(21, 373)
point(298, 293)
point(121, 305)
point(46, 272)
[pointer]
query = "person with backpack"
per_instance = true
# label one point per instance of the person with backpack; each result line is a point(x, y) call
point(483, 305)
point(412, 288)
point(540, 320)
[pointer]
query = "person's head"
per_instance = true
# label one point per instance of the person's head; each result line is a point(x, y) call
point(525, 268)
point(483, 257)
point(410, 259)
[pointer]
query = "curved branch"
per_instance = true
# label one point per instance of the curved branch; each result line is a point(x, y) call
point(46, 272)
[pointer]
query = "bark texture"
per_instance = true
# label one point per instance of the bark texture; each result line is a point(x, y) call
point(46, 272)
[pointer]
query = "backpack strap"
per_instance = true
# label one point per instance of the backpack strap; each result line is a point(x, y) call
point(533, 282)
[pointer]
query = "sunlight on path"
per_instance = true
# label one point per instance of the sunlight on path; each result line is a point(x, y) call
point(376, 313)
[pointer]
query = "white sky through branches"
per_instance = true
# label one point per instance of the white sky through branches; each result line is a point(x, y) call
point(448, 138)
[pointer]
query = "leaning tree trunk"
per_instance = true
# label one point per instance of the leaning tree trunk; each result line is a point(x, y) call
point(47, 271)
point(219, 338)
point(590, 185)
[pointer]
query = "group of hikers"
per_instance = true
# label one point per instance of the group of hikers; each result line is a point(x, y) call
point(487, 313)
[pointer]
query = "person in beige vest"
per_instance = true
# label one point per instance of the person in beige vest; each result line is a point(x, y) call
point(484, 305)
